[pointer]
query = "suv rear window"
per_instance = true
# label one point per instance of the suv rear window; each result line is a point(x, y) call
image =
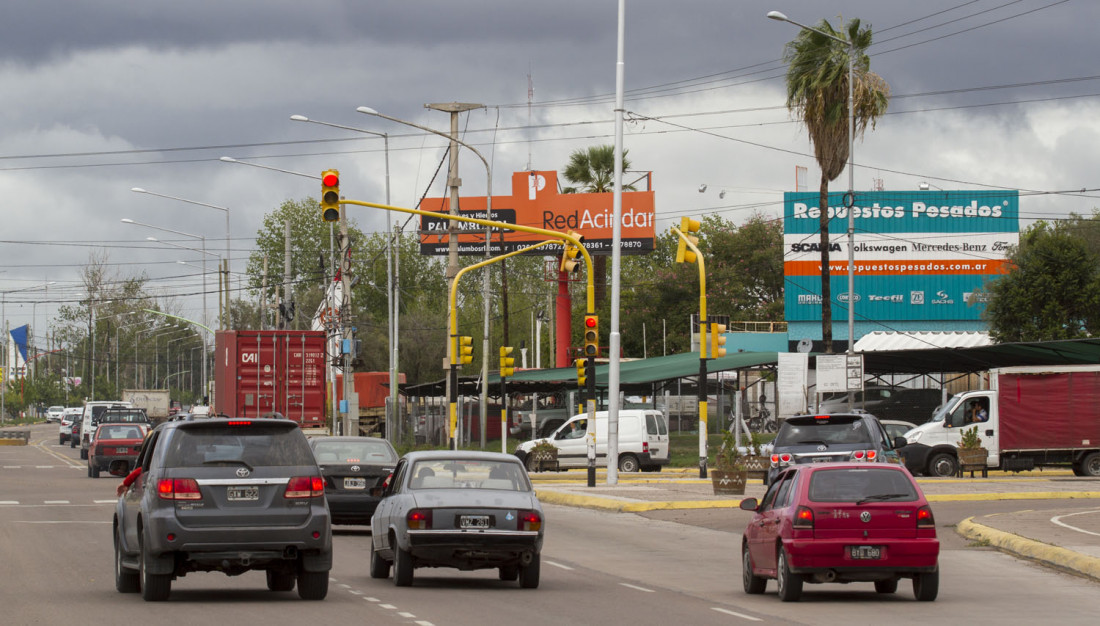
point(827, 429)
point(220, 444)
point(854, 485)
point(125, 416)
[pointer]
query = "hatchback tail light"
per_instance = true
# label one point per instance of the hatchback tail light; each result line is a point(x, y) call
point(803, 518)
point(419, 519)
point(305, 487)
point(924, 517)
point(530, 520)
point(178, 489)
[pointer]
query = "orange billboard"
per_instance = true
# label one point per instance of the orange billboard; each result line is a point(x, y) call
point(536, 202)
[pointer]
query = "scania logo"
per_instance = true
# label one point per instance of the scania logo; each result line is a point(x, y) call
point(865, 516)
point(813, 247)
point(243, 472)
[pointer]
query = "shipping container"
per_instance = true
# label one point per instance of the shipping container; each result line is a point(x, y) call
point(260, 372)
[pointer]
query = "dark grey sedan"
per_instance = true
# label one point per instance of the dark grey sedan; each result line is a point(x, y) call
point(459, 509)
point(352, 467)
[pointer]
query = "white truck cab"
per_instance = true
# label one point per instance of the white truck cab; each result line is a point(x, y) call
point(942, 433)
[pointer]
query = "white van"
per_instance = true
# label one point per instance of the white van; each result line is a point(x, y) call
point(90, 419)
point(643, 441)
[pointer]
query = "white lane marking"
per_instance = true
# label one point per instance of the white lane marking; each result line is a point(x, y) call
point(406, 614)
point(106, 501)
point(370, 599)
point(423, 623)
point(637, 587)
point(9, 502)
point(56, 502)
point(558, 565)
point(388, 606)
point(355, 592)
point(1058, 520)
point(345, 586)
point(736, 614)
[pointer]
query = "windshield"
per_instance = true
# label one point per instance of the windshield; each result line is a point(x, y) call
point(942, 410)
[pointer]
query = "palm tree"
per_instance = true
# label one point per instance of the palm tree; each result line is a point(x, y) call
point(594, 170)
point(817, 92)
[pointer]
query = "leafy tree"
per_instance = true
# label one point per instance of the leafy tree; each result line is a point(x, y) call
point(1052, 291)
point(817, 91)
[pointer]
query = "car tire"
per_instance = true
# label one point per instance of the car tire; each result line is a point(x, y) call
point(889, 585)
point(93, 470)
point(154, 587)
point(509, 572)
point(789, 583)
point(72, 442)
point(530, 463)
point(1090, 465)
point(753, 584)
point(379, 567)
point(943, 465)
point(927, 586)
point(280, 581)
point(312, 585)
point(402, 567)
point(529, 574)
point(628, 463)
point(126, 579)
point(83, 454)
point(60, 440)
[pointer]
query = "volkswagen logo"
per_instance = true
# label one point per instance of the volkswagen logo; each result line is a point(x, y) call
point(355, 468)
point(865, 516)
point(243, 472)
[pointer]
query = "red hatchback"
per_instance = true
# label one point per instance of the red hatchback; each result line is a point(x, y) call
point(842, 523)
point(114, 442)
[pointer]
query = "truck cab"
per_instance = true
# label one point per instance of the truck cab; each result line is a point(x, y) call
point(933, 446)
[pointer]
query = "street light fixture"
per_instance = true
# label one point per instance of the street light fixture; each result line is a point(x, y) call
point(849, 199)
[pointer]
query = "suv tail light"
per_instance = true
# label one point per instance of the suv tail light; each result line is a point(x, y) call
point(305, 487)
point(924, 517)
point(419, 519)
point(178, 489)
point(864, 455)
point(803, 518)
point(779, 460)
point(530, 520)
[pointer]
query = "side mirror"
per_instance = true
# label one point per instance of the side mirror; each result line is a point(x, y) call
point(119, 467)
point(749, 504)
point(900, 442)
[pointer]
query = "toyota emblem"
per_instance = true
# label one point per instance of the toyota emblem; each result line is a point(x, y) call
point(355, 468)
point(865, 516)
point(242, 472)
point(822, 448)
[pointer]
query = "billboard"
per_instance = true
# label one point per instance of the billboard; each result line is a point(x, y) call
point(536, 202)
point(919, 255)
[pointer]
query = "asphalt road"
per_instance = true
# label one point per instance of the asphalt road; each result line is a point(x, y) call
point(673, 567)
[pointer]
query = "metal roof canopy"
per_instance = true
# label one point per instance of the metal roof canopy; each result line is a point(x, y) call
point(982, 358)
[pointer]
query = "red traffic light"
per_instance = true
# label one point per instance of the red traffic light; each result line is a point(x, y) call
point(590, 321)
point(330, 179)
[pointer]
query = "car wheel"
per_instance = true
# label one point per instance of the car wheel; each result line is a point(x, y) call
point(753, 584)
point(154, 587)
point(72, 443)
point(279, 581)
point(530, 463)
point(312, 585)
point(886, 586)
point(126, 579)
point(529, 574)
point(943, 465)
point(628, 463)
point(83, 454)
point(60, 441)
point(93, 470)
point(1090, 465)
point(927, 586)
point(509, 572)
point(379, 567)
point(790, 584)
point(402, 567)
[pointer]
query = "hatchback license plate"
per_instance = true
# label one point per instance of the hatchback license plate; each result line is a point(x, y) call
point(865, 552)
point(243, 493)
point(473, 521)
point(355, 483)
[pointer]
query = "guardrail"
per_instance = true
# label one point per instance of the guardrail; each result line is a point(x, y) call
point(15, 437)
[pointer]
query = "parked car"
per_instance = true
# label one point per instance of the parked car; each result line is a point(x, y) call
point(842, 523)
point(460, 509)
point(90, 419)
point(65, 428)
point(225, 495)
point(114, 442)
point(352, 466)
point(643, 441)
point(896, 428)
point(54, 413)
point(896, 403)
point(835, 437)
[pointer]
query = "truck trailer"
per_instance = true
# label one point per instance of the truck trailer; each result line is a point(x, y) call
point(260, 373)
point(1035, 416)
point(154, 401)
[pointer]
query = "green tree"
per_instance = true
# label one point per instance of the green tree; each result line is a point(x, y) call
point(1052, 292)
point(817, 92)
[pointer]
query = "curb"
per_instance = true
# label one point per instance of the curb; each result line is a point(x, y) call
point(1045, 554)
point(614, 505)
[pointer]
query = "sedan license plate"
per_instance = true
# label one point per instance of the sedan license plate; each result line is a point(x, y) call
point(865, 552)
point(355, 483)
point(242, 493)
point(473, 521)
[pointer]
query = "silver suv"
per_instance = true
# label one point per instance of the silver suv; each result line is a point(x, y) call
point(228, 495)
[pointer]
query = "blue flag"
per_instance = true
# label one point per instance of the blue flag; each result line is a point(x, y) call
point(19, 336)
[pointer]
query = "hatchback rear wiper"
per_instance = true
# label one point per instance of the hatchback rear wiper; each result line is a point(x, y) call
point(883, 496)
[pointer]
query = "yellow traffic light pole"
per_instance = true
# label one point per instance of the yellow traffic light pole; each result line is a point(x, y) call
point(702, 349)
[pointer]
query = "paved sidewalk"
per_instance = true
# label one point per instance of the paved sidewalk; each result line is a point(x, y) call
point(1069, 541)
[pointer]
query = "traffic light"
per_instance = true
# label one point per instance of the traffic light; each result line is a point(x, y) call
point(591, 336)
point(569, 262)
point(330, 195)
point(684, 254)
point(717, 341)
point(506, 362)
point(464, 350)
point(582, 378)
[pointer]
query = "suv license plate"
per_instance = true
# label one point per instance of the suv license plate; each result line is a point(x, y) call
point(473, 521)
point(355, 483)
point(242, 493)
point(865, 552)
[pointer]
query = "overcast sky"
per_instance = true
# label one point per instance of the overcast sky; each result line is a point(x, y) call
point(99, 97)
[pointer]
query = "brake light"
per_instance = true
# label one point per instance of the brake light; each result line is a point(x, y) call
point(178, 489)
point(305, 487)
point(871, 454)
point(924, 517)
point(239, 422)
point(530, 520)
point(803, 518)
point(645, 446)
point(419, 519)
point(858, 455)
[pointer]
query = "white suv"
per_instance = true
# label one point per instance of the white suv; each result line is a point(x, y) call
point(54, 413)
point(65, 431)
point(90, 418)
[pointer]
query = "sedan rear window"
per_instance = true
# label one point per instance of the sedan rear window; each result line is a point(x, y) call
point(467, 474)
point(365, 451)
point(254, 445)
point(861, 485)
point(831, 430)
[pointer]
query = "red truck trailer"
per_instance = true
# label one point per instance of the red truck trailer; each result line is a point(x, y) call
point(373, 389)
point(259, 372)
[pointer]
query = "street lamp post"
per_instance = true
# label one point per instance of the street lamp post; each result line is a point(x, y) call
point(849, 199)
